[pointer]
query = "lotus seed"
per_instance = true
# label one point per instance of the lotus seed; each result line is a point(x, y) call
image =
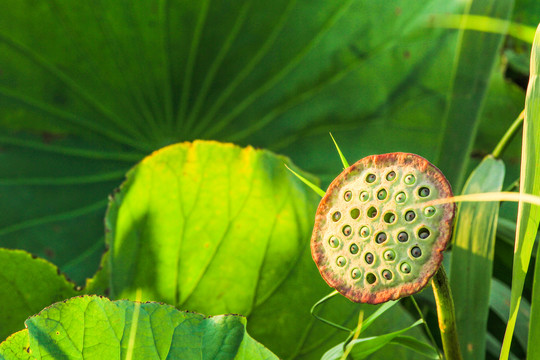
point(336, 216)
point(347, 230)
point(381, 237)
point(364, 231)
point(347, 196)
point(416, 252)
point(354, 249)
point(410, 179)
point(389, 217)
point(429, 211)
point(372, 212)
point(355, 273)
point(341, 261)
point(401, 197)
point(381, 195)
point(423, 192)
point(405, 268)
point(387, 274)
point(410, 215)
point(370, 278)
point(391, 176)
point(369, 258)
point(334, 242)
point(403, 236)
point(371, 178)
point(389, 255)
point(364, 196)
point(355, 213)
point(423, 233)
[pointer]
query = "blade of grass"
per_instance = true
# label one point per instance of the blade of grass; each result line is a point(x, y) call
point(529, 216)
point(341, 156)
point(314, 187)
point(500, 305)
point(474, 61)
point(491, 196)
point(485, 24)
point(508, 136)
point(355, 335)
point(472, 258)
point(416, 345)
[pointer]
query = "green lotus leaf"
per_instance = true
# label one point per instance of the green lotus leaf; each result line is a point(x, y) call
point(27, 285)
point(92, 327)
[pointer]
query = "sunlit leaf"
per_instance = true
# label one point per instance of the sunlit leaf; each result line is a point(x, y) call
point(92, 327)
point(472, 258)
point(528, 215)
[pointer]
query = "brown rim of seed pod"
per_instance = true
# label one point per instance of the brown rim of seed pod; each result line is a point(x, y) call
point(373, 238)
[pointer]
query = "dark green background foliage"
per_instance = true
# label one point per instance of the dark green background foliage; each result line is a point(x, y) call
point(87, 89)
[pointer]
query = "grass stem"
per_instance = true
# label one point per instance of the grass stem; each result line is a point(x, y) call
point(328, 322)
point(508, 136)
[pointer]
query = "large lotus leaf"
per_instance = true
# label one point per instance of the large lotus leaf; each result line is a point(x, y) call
point(91, 327)
point(27, 285)
point(215, 228)
point(132, 76)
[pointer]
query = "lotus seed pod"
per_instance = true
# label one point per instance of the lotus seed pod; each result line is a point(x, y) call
point(374, 240)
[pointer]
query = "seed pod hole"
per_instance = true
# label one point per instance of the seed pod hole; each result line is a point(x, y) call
point(389, 217)
point(387, 274)
point(364, 196)
point(364, 231)
point(401, 198)
point(391, 176)
point(355, 273)
point(381, 195)
point(347, 230)
point(410, 215)
point(372, 212)
point(333, 241)
point(405, 268)
point(336, 216)
point(423, 233)
point(403, 236)
point(369, 258)
point(380, 238)
point(347, 196)
point(341, 261)
point(416, 252)
point(370, 178)
point(370, 278)
point(429, 211)
point(423, 191)
point(355, 213)
point(354, 249)
point(409, 179)
point(389, 255)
